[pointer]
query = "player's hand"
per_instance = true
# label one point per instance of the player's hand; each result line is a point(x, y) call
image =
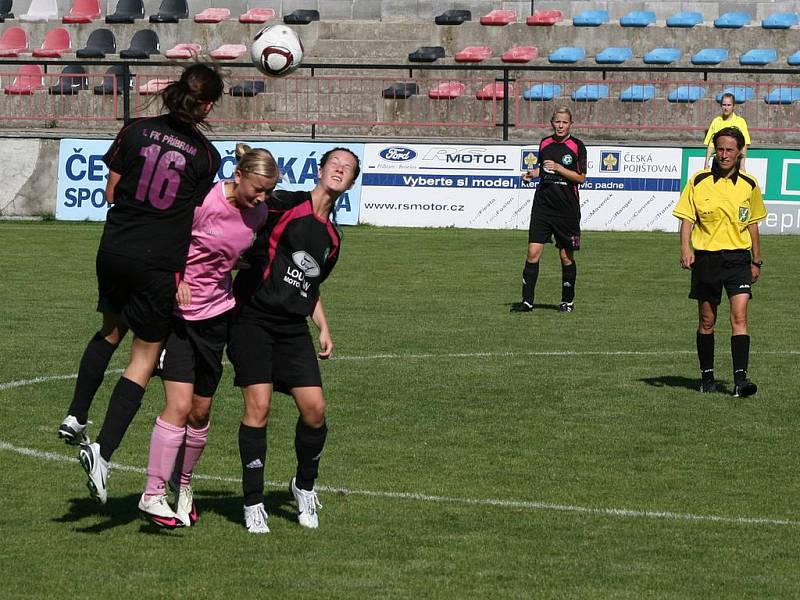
point(687, 260)
point(325, 345)
point(550, 166)
point(530, 175)
point(755, 272)
point(184, 294)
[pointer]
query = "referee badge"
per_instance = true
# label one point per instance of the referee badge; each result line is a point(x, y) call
point(744, 214)
point(566, 160)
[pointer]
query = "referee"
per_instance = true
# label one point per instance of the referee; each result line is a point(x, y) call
point(719, 211)
point(728, 118)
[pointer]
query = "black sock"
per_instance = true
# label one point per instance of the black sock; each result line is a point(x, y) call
point(94, 363)
point(253, 452)
point(705, 354)
point(122, 408)
point(568, 275)
point(740, 353)
point(308, 444)
point(529, 276)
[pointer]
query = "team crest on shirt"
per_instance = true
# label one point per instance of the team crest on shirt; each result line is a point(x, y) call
point(566, 160)
point(744, 214)
point(306, 262)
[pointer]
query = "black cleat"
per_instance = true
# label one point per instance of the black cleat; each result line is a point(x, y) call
point(566, 307)
point(744, 389)
point(709, 386)
point(521, 307)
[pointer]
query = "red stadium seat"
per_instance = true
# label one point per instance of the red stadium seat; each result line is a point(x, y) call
point(29, 79)
point(229, 52)
point(83, 11)
point(257, 15)
point(56, 42)
point(499, 17)
point(494, 91)
point(213, 15)
point(473, 54)
point(545, 17)
point(13, 42)
point(447, 90)
point(153, 86)
point(184, 51)
point(520, 54)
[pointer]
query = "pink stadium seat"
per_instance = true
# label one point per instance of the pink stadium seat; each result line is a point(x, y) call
point(447, 90)
point(545, 17)
point(213, 15)
point(499, 17)
point(184, 51)
point(494, 91)
point(257, 15)
point(29, 79)
point(56, 42)
point(13, 41)
point(153, 86)
point(83, 11)
point(473, 54)
point(520, 54)
point(229, 52)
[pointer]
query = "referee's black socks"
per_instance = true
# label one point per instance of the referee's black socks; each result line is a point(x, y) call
point(740, 354)
point(253, 452)
point(122, 408)
point(91, 371)
point(529, 276)
point(705, 354)
point(569, 274)
point(308, 445)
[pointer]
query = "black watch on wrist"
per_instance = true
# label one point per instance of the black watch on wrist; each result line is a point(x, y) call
point(757, 263)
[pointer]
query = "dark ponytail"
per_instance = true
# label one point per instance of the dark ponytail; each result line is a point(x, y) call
point(187, 99)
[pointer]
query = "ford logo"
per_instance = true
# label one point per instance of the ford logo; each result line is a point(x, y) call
point(398, 154)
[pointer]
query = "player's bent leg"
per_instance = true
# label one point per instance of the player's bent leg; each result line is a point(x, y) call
point(310, 434)
point(704, 342)
point(530, 274)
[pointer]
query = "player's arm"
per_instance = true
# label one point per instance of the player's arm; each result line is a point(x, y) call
point(111, 185)
point(687, 254)
point(568, 174)
point(709, 154)
point(321, 321)
point(755, 251)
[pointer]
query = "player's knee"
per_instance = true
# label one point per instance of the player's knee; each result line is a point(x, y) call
point(314, 415)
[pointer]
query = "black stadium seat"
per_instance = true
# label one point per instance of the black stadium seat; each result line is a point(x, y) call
point(101, 42)
point(127, 12)
point(171, 11)
point(426, 54)
point(248, 89)
point(401, 90)
point(5, 10)
point(301, 17)
point(114, 72)
point(143, 43)
point(73, 79)
point(453, 17)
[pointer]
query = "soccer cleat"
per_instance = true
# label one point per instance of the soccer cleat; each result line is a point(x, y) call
point(566, 307)
point(745, 388)
point(156, 510)
point(185, 508)
point(307, 505)
point(255, 518)
point(97, 469)
point(521, 307)
point(708, 386)
point(72, 432)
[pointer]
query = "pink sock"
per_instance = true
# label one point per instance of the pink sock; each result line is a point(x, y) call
point(195, 444)
point(164, 445)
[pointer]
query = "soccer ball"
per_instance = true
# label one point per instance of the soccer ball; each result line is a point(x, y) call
point(276, 50)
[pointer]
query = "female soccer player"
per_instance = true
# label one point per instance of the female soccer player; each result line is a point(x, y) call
point(160, 168)
point(270, 345)
point(190, 364)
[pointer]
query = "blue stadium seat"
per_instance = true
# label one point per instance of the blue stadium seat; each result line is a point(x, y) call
point(638, 93)
point(794, 59)
point(685, 19)
point(567, 54)
point(732, 20)
point(638, 18)
point(758, 56)
point(614, 56)
point(741, 93)
point(591, 18)
point(662, 56)
point(783, 95)
point(590, 92)
point(780, 20)
point(542, 91)
point(710, 56)
point(686, 93)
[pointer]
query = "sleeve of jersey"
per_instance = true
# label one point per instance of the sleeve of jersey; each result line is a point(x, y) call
point(709, 134)
point(758, 212)
point(581, 159)
point(115, 158)
point(745, 132)
point(685, 208)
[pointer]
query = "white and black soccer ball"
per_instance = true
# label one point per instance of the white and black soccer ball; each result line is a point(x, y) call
point(276, 50)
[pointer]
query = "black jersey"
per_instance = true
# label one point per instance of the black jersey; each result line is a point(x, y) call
point(291, 256)
point(555, 194)
point(166, 169)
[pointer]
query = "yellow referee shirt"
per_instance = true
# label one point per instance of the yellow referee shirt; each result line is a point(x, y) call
point(733, 121)
point(721, 208)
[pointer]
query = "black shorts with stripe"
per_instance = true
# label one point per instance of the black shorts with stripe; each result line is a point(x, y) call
point(565, 230)
point(712, 271)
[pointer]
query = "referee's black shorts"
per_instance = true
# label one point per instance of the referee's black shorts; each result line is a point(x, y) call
point(565, 230)
point(712, 271)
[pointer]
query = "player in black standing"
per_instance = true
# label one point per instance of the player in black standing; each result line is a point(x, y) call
point(160, 168)
point(556, 210)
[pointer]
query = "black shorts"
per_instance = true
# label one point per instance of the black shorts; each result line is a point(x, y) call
point(141, 293)
point(566, 231)
point(281, 354)
point(193, 353)
point(713, 270)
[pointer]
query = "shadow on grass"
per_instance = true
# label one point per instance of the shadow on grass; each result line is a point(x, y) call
point(278, 504)
point(536, 307)
point(117, 511)
point(682, 382)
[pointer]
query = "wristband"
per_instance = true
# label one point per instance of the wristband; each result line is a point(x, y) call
point(758, 263)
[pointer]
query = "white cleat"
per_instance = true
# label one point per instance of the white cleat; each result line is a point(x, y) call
point(185, 508)
point(72, 432)
point(156, 510)
point(307, 505)
point(97, 469)
point(255, 518)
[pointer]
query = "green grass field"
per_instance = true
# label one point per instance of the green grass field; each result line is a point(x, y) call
point(472, 452)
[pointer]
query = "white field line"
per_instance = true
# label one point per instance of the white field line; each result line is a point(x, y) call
point(417, 497)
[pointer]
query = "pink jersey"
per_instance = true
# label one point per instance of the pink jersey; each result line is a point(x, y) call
point(220, 233)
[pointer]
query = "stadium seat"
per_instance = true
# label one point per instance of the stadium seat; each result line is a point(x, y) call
point(545, 18)
point(213, 15)
point(473, 54)
point(56, 42)
point(5, 10)
point(41, 10)
point(447, 90)
point(741, 93)
point(153, 86)
point(520, 54)
point(613, 56)
point(590, 92)
point(758, 57)
point(401, 90)
point(100, 42)
point(184, 51)
point(301, 17)
point(780, 20)
point(494, 91)
point(28, 80)
point(794, 59)
point(710, 56)
point(144, 43)
point(73, 79)
point(567, 54)
point(783, 95)
point(228, 52)
point(499, 17)
point(638, 93)
point(248, 89)
point(127, 12)
point(591, 18)
point(257, 15)
point(426, 54)
point(171, 11)
point(662, 56)
point(13, 42)
point(82, 11)
point(732, 20)
point(113, 76)
point(453, 17)
point(638, 18)
point(542, 92)
point(686, 93)
point(685, 19)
